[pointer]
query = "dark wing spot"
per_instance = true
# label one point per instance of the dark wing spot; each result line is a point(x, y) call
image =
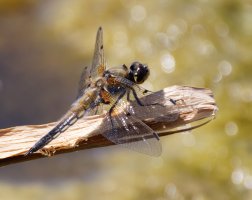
point(125, 67)
point(101, 46)
point(145, 91)
point(128, 114)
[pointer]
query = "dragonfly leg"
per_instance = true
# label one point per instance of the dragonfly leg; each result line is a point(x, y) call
point(128, 95)
point(174, 102)
point(139, 102)
point(136, 97)
point(152, 104)
point(112, 109)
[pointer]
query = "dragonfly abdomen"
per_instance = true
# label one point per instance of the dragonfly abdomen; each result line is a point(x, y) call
point(68, 120)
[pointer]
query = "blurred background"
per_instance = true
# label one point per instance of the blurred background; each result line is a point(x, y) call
point(44, 46)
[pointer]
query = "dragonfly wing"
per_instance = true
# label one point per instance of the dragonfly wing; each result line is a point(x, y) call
point(124, 129)
point(84, 81)
point(98, 64)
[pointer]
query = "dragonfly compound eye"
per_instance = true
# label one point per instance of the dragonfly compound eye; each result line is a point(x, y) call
point(138, 72)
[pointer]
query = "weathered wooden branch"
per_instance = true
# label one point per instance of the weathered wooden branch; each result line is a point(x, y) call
point(193, 104)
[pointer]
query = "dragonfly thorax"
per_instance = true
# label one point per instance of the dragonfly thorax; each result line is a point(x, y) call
point(99, 82)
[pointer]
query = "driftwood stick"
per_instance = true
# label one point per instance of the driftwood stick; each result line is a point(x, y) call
point(193, 104)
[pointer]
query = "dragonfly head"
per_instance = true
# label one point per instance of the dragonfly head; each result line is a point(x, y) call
point(138, 72)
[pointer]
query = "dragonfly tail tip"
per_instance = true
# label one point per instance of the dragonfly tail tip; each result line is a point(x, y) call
point(31, 151)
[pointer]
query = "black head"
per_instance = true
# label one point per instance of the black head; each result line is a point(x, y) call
point(138, 72)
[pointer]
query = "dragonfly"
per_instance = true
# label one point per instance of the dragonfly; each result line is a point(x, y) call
point(113, 88)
